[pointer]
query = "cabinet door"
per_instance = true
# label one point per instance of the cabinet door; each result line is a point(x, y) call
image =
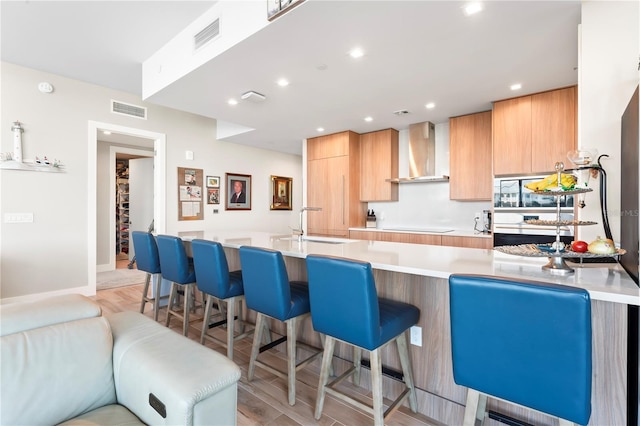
point(470, 157)
point(378, 162)
point(469, 242)
point(327, 187)
point(512, 136)
point(327, 146)
point(553, 118)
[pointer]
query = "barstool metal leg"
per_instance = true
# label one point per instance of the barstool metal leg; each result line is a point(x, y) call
point(291, 359)
point(407, 371)
point(327, 358)
point(376, 387)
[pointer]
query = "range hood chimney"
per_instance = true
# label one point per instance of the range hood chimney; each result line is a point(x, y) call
point(422, 154)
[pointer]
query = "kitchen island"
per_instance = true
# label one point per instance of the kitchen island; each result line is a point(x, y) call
point(418, 274)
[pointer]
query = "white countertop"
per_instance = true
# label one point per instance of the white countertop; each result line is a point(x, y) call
point(608, 283)
point(430, 231)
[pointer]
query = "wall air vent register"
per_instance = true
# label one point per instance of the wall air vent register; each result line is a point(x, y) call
point(130, 110)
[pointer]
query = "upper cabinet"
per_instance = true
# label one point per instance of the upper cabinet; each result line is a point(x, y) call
point(378, 163)
point(531, 133)
point(333, 184)
point(470, 157)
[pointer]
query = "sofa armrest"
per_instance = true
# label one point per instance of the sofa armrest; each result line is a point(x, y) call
point(194, 384)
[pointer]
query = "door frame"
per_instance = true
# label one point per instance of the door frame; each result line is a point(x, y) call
point(159, 186)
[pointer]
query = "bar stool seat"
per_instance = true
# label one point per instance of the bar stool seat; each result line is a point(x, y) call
point(524, 342)
point(269, 292)
point(214, 279)
point(148, 260)
point(345, 307)
point(177, 268)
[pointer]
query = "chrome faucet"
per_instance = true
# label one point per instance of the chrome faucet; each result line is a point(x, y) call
point(300, 232)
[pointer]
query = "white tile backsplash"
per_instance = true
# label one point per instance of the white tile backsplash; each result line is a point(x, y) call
point(424, 205)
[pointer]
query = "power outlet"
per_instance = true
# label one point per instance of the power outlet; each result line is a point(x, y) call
point(416, 335)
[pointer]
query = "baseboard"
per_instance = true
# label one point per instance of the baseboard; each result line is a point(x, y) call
point(85, 290)
point(106, 267)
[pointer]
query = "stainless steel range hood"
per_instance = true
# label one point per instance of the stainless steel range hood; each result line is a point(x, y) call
point(422, 155)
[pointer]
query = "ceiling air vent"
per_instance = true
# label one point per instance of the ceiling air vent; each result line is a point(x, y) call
point(118, 107)
point(209, 32)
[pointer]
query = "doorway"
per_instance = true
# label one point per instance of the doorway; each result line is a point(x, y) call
point(153, 146)
point(132, 207)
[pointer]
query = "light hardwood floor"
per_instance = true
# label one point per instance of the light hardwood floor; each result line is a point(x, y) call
point(263, 401)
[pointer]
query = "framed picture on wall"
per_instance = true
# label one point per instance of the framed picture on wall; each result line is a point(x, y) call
point(213, 195)
point(281, 192)
point(239, 192)
point(213, 181)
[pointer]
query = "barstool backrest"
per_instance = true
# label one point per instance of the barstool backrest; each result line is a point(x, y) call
point(266, 282)
point(173, 259)
point(344, 301)
point(525, 342)
point(146, 249)
point(212, 270)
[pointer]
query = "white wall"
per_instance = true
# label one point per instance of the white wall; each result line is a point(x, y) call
point(425, 205)
point(610, 48)
point(50, 255)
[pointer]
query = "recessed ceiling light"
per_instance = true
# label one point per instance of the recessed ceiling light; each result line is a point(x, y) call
point(516, 86)
point(472, 8)
point(232, 102)
point(356, 53)
point(430, 105)
point(368, 119)
point(283, 82)
point(320, 129)
point(106, 132)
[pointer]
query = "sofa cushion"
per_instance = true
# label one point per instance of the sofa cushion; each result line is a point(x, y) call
point(54, 373)
point(17, 317)
point(108, 415)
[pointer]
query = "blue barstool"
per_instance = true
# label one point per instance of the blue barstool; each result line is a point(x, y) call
point(525, 342)
point(345, 306)
point(148, 260)
point(177, 268)
point(269, 292)
point(214, 279)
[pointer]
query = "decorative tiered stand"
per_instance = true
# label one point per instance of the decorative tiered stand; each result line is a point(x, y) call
point(558, 251)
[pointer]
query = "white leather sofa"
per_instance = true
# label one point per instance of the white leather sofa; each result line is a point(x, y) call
point(62, 362)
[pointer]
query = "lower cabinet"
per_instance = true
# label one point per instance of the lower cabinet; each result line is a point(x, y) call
point(469, 242)
point(430, 239)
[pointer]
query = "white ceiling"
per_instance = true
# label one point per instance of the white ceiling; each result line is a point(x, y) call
point(416, 52)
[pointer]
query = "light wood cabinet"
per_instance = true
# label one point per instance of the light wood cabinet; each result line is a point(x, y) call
point(396, 237)
point(469, 242)
point(470, 176)
point(531, 133)
point(554, 128)
point(333, 183)
point(430, 239)
point(378, 162)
